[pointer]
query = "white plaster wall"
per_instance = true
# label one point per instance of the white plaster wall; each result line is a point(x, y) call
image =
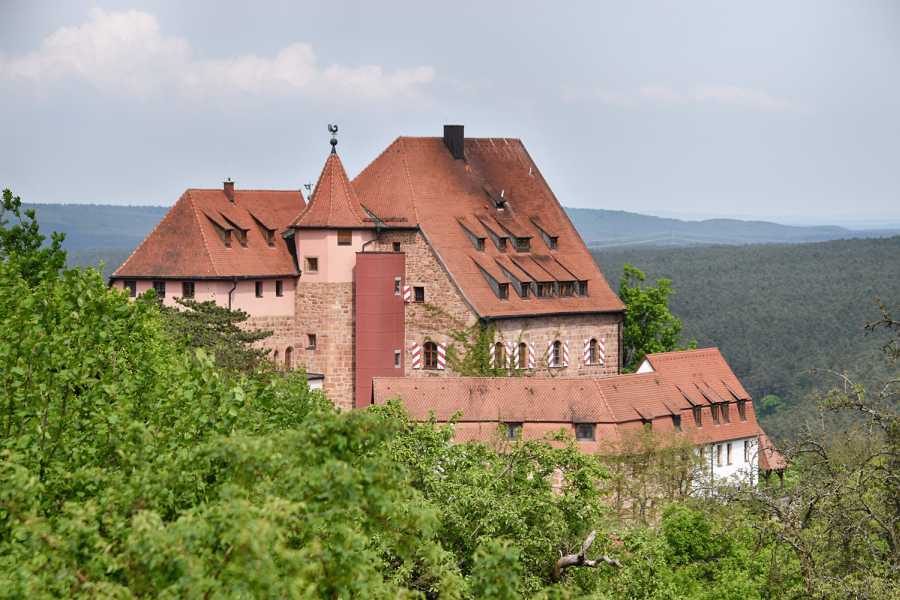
point(740, 470)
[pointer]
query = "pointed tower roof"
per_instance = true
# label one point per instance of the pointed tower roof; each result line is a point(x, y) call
point(334, 203)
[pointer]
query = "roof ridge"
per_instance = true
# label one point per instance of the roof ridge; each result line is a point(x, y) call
point(212, 263)
point(148, 236)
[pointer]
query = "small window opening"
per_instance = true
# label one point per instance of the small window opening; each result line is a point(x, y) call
point(288, 358)
point(715, 413)
point(582, 288)
point(726, 413)
point(279, 288)
point(429, 351)
point(312, 264)
point(556, 354)
point(585, 432)
point(396, 359)
point(746, 451)
point(258, 286)
point(226, 237)
point(698, 416)
point(270, 237)
point(523, 355)
point(160, 288)
point(592, 352)
point(396, 286)
point(567, 288)
point(513, 431)
point(676, 422)
point(503, 291)
point(396, 246)
point(523, 244)
point(187, 289)
point(544, 290)
point(742, 409)
point(499, 355)
point(344, 237)
point(729, 448)
point(554, 242)
point(311, 341)
point(523, 289)
point(719, 455)
point(131, 286)
point(419, 293)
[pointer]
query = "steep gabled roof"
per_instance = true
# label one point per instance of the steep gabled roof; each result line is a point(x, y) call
point(334, 203)
point(188, 242)
point(416, 182)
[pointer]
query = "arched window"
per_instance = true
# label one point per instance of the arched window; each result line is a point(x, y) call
point(523, 356)
point(556, 354)
point(499, 355)
point(288, 358)
point(592, 351)
point(430, 354)
point(275, 358)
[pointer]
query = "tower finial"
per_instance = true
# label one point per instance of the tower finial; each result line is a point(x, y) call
point(333, 129)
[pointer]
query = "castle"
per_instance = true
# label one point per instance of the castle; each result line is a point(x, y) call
point(367, 281)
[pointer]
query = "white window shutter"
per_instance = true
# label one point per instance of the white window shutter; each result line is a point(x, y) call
point(442, 356)
point(416, 351)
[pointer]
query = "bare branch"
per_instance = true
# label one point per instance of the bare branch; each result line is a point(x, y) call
point(581, 559)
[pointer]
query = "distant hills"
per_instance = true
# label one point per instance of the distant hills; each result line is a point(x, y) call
point(91, 227)
point(615, 228)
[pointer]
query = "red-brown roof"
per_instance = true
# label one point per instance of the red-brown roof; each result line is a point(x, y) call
point(617, 400)
point(416, 182)
point(334, 202)
point(188, 241)
point(770, 459)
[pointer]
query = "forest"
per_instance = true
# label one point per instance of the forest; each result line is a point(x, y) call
point(782, 314)
point(137, 464)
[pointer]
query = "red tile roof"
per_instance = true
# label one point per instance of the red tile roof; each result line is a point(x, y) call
point(617, 400)
point(187, 242)
point(334, 202)
point(769, 458)
point(416, 182)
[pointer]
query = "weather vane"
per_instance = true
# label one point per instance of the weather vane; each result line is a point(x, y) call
point(333, 129)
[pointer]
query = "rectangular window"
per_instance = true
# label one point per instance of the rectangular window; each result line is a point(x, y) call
point(396, 359)
point(279, 288)
point(131, 286)
point(585, 432)
point(503, 291)
point(160, 288)
point(554, 242)
point(311, 341)
point(396, 246)
point(702, 453)
point(345, 237)
point(567, 288)
point(419, 293)
point(312, 264)
point(714, 408)
point(582, 288)
point(258, 285)
point(544, 290)
point(523, 289)
point(726, 414)
point(676, 422)
point(742, 409)
point(729, 452)
point(513, 431)
point(746, 451)
point(270, 237)
point(523, 244)
point(396, 286)
point(698, 416)
point(187, 289)
point(719, 455)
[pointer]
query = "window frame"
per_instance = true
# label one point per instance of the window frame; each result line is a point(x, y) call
point(503, 291)
point(719, 456)
point(188, 289)
point(131, 286)
point(344, 237)
point(397, 359)
point(258, 288)
point(747, 451)
point(522, 362)
point(714, 410)
point(398, 286)
point(556, 354)
point(592, 352)
point(311, 263)
point(395, 246)
point(742, 409)
point(697, 412)
point(500, 360)
point(419, 290)
point(312, 341)
point(676, 422)
point(430, 356)
point(289, 358)
point(279, 288)
point(725, 412)
point(728, 453)
point(566, 289)
point(579, 432)
point(160, 284)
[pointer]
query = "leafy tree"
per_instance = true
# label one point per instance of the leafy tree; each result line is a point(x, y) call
point(649, 324)
point(21, 242)
point(770, 404)
point(218, 330)
point(470, 355)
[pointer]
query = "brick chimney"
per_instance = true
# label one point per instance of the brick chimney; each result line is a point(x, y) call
point(228, 187)
point(454, 138)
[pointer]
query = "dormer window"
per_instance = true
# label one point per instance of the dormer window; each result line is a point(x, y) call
point(270, 237)
point(553, 242)
point(544, 290)
point(226, 237)
point(344, 237)
point(567, 288)
point(477, 240)
point(503, 292)
point(523, 244)
point(742, 409)
point(698, 416)
point(582, 288)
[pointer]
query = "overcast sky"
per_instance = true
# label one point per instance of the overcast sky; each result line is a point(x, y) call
point(787, 110)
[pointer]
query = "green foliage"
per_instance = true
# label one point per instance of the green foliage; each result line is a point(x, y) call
point(649, 324)
point(217, 330)
point(470, 354)
point(21, 242)
point(770, 404)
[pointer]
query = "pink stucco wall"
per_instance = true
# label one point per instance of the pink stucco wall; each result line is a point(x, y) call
point(243, 297)
point(335, 262)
